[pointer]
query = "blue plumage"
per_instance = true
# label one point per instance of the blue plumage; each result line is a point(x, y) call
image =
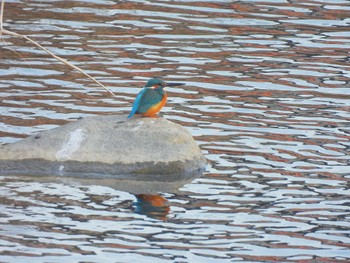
point(151, 98)
point(144, 100)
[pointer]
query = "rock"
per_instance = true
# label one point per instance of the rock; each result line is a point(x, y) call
point(108, 147)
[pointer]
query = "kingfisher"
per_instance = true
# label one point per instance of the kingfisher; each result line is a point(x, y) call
point(151, 98)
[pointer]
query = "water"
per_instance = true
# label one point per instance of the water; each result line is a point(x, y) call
point(267, 99)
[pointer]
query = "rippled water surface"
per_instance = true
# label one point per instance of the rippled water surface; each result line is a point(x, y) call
point(267, 99)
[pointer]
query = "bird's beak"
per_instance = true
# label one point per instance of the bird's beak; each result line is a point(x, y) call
point(173, 84)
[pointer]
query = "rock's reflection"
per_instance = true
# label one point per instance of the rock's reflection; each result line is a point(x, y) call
point(150, 201)
point(149, 194)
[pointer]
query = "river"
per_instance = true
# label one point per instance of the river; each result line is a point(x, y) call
point(267, 98)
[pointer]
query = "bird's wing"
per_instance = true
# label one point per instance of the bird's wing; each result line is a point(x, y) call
point(149, 99)
point(137, 102)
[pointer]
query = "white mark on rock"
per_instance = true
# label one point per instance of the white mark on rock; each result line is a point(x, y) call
point(71, 145)
point(138, 126)
point(60, 169)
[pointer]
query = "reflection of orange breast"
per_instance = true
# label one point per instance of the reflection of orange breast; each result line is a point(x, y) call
point(151, 112)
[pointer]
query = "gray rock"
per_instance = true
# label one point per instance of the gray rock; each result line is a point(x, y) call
point(108, 147)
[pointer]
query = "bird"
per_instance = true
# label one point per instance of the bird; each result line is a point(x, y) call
point(151, 99)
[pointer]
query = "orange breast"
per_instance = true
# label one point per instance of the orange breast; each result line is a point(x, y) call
point(156, 108)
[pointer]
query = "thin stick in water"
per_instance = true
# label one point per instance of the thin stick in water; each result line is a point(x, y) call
point(8, 32)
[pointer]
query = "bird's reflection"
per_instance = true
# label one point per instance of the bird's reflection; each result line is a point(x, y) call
point(152, 205)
